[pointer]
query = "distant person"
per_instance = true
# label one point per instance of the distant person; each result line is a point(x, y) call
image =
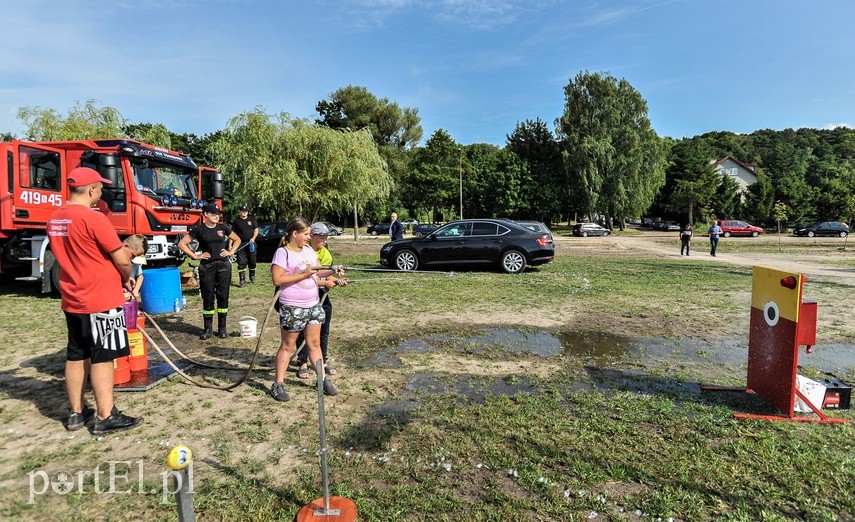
point(296, 269)
point(94, 267)
point(320, 233)
point(686, 238)
point(215, 269)
point(137, 246)
point(396, 228)
point(715, 232)
point(246, 228)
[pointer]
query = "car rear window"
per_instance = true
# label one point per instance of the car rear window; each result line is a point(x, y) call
point(485, 229)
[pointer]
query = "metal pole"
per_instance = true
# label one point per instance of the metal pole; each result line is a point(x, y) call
point(184, 496)
point(355, 222)
point(460, 174)
point(319, 368)
point(180, 461)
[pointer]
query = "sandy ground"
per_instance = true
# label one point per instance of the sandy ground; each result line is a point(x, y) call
point(816, 265)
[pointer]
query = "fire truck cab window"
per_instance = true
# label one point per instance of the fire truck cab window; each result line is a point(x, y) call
point(41, 168)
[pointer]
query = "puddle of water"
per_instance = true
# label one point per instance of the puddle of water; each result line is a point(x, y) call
point(510, 340)
point(601, 348)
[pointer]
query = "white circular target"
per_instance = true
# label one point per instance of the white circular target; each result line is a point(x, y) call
point(770, 313)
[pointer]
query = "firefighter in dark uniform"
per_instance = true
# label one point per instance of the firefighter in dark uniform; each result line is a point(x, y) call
point(216, 243)
point(246, 227)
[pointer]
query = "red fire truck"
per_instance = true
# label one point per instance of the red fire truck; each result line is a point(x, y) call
point(155, 192)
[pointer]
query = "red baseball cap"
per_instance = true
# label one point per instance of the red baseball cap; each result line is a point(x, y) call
point(82, 176)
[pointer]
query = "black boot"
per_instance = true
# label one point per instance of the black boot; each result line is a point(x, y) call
point(209, 327)
point(242, 279)
point(252, 276)
point(221, 326)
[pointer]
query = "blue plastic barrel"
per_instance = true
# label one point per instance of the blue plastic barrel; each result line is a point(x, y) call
point(160, 288)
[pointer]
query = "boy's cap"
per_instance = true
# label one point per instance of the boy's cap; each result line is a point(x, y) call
point(82, 176)
point(319, 229)
point(211, 208)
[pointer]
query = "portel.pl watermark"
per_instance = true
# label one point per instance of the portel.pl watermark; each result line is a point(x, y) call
point(113, 477)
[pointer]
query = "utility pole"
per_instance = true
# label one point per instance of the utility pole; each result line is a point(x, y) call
point(460, 175)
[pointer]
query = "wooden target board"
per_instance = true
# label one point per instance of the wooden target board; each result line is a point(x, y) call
point(773, 350)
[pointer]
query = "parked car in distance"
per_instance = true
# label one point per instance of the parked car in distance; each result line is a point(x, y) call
point(732, 227)
point(335, 230)
point(409, 222)
point(423, 229)
point(535, 226)
point(472, 242)
point(668, 226)
point(647, 221)
point(590, 229)
point(826, 228)
point(267, 241)
point(378, 229)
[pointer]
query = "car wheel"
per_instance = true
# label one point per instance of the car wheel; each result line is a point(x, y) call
point(727, 234)
point(513, 262)
point(406, 260)
point(755, 234)
point(606, 233)
point(810, 233)
point(843, 233)
point(373, 232)
point(584, 234)
point(417, 234)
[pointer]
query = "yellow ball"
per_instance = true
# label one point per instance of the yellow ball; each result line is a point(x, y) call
point(179, 458)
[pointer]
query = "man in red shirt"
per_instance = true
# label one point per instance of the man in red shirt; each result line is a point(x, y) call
point(94, 266)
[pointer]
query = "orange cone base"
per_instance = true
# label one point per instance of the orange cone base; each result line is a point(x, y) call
point(344, 509)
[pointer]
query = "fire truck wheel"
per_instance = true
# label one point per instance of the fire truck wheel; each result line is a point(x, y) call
point(50, 260)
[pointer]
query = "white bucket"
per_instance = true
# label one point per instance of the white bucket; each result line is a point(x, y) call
point(247, 326)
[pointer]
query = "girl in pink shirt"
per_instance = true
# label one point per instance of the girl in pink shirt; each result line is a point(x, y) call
point(295, 267)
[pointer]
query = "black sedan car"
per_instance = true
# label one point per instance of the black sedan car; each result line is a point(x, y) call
point(826, 228)
point(269, 235)
point(379, 229)
point(423, 229)
point(472, 242)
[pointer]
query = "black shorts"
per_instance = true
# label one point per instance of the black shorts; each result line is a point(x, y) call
point(98, 337)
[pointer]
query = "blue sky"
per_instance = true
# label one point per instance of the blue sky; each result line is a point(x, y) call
point(472, 67)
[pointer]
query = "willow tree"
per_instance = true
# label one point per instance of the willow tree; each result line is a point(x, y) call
point(84, 121)
point(612, 154)
point(289, 166)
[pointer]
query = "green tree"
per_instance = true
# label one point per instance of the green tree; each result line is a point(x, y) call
point(433, 182)
point(84, 121)
point(545, 194)
point(395, 130)
point(151, 133)
point(691, 181)
point(356, 108)
point(291, 167)
point(760, 200)
point(781, 213)
point(727, 202)
point(493, 182)
point(610, 148)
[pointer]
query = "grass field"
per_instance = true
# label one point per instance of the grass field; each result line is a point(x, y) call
point(437, 422)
